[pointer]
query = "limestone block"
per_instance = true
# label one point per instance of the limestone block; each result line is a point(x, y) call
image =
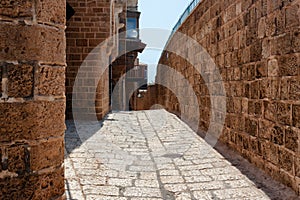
point(35, 186)
point(292, 18)
point(255, 108)
point(294, 93)
point(270, 152)
point(268, 88)
point(34, 42)
point(271, 25)
point(21, 8)
point(48, 11)
point(296, 115)
point(291, 137)
point(285, 159)
point(17, 159)
point(1, 79)
point(254, 90)
point(280, 22)
point(50, 185)
point(261, 69)
point(20, 80)
point(46, 154)
point(31, 120)
point(265, 129)
point(281, 45)
point(251, 126)
point(262, 28)
point(289, 65)
point(273, 68)
point(297, 166)
point(284, 113)
point(296, 41)
point(277, 135)
point(270, 111)
point(256, 51)
point(284, 88)
point(50, 81)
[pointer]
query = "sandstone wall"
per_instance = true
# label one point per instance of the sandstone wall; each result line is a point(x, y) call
point(32, 99)
point(147, 99)
point(255, 45)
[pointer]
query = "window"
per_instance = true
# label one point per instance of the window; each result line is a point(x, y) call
point(131, 27)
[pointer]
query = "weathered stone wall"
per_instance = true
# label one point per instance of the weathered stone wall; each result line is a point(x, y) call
point(147, 99)
point(32, 104)
point(91, 25)
point(255, 45)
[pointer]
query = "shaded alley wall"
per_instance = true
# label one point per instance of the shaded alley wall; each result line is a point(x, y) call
point(148, 99)
point(93, 22)
point(32, 104)
point(145, 100)
point(256, 47)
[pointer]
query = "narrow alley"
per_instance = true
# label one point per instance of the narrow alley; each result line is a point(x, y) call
point(79, 80)
point(154, 155)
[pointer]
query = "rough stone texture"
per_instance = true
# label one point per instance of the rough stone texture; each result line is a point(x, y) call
point(1, 72)
point(46, 154)
point(20, 80)
point(32, 100)
point(21, 43)
point(255, 45)
point(15, 9)
point(16, 159)
point(162, 158)
point(35, 186)
point(48, 11)
point(50, 81)
point(31, 120)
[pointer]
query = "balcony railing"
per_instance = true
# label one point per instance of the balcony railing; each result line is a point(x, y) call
point(183, 17)
point(185, 14)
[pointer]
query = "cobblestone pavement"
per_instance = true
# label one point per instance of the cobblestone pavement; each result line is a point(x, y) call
point(151, 155)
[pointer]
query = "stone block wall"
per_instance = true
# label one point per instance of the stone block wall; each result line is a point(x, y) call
point(32, 99)
point(93, 22)
point(255, 45)
point(147, 99)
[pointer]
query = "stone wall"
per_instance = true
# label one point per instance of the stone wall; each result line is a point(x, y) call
point(149, 99)
point(255, 45)
point(146, 100)
point(32, 104)
point(93, 23)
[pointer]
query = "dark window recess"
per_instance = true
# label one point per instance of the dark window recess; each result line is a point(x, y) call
point(69, 11)
point(144, 87)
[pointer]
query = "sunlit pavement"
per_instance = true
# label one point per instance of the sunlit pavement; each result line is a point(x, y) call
point(154, 155)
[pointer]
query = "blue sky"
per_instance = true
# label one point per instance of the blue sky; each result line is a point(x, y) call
point(158, 14)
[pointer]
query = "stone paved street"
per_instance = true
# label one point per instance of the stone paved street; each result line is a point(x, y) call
point(151, 155)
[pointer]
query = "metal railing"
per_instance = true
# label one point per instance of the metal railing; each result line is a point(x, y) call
point(185, 14)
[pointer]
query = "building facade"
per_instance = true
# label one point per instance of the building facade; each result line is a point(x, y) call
point(97, 27)
point(130, 46)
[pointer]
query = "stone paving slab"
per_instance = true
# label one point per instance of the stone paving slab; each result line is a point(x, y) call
point(152, 155)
